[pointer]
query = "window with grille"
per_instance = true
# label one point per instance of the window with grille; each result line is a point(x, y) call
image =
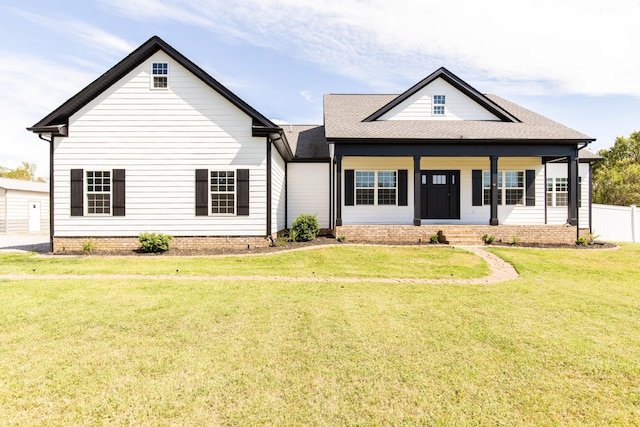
point(510, 187)
point(557, 192)
point(98, 192)
point(223, 191)
point(376, 187)
point(160, 75)
point(438, 105)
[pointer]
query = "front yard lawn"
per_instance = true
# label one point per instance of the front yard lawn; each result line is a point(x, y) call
point(559, 346)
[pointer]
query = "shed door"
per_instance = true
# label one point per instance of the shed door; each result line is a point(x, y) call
point(440, 192)
point(34, 216)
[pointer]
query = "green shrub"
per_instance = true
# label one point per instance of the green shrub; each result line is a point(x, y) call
point(154, 242)
point(341, 239)
point(488, 239)
point(304, 228)
point(433, 238)
point(582, 241)
point(88, 247)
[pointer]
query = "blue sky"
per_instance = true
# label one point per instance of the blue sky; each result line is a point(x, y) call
point(574, 61)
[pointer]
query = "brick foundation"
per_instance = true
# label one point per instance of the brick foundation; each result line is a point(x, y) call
point(459, 234)
point(62, 244)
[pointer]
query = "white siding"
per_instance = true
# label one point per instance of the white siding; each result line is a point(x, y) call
point(469, 214)
point(308, 191)
point(560, 214)
point(458, 106)
point(160, 137)
point(278, 197)
point(17, 210)
point(3, 210)
point(507, 214)
point(368, 214)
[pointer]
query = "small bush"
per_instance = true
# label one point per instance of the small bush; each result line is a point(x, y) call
point(433, 238)
point(282, 241)
point(488, 239)
point(304, 228)
point(88, 247)
point(341, 239)
point(582, 241)
point(154, 242)
point(515, 240)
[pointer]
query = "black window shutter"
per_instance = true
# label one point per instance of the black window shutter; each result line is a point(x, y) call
point(202, 195)
point(348, 187)
point(242, 183)
point(476, 188)
point(119, 192)
point(530, 181)
point(77, 190)
point(402, 187)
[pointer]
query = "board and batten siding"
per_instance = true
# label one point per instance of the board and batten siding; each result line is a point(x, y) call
point(560, 214)
point(458, 106)
point(278, 192)
point(308, 191)
point(160, 137)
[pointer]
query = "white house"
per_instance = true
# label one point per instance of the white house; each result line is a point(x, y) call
point(24, 206)
point(156, 144)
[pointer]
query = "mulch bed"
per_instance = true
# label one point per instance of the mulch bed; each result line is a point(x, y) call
point(320, 241)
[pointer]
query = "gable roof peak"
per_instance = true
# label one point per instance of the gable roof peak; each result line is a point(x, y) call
point(61, 114)
point(456, 82)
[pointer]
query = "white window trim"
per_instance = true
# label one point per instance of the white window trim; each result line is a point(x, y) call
point(151, 80)
point(554, 192)
point(503, 189)
point(443, 105)
point(235, 193)
point(85, 187)
point(375, 187)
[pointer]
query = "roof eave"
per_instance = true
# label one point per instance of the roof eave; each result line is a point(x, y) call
point(53, 130)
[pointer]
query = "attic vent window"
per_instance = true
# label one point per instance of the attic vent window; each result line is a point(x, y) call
point(160, 72)
point(438, 105)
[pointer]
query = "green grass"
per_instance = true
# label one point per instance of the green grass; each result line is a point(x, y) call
point(334, 261)
point(559, 346)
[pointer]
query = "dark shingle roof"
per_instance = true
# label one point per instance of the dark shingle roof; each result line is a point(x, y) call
point(307, 142)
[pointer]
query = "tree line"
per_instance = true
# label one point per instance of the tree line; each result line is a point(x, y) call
point(616, 178)
point(27, 172)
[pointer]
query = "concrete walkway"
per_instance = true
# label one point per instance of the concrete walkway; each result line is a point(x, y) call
point(24, 242)
point(500, 271)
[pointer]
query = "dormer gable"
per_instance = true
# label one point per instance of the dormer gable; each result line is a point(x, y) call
point(442, 96)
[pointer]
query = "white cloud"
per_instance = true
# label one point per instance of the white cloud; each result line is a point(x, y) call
point(307, 95)
point(569, 46)
point(28, 95)
point(90, 35)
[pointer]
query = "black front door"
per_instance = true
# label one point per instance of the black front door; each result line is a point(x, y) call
point(440, 194)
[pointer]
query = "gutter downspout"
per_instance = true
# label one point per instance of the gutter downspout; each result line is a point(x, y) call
point(51, 195)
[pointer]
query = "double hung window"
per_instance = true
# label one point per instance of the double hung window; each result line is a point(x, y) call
point(376, 187)
point(510, 187)
point(98, 192)
point(160, 75)
point(223, 192)
point(557, 191)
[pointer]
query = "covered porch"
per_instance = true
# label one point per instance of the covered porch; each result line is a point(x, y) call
point(478, 185)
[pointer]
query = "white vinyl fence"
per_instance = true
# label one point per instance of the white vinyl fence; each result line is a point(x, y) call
point(616, 223)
